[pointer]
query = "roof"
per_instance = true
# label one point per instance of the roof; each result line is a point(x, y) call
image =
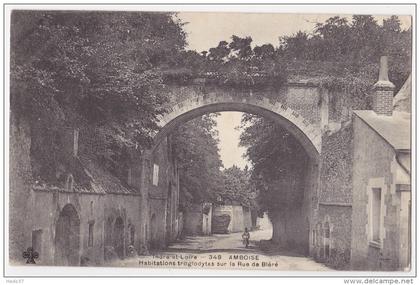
point(91, 178)
point(402, 101)
point(394, 129)
point(101, 180)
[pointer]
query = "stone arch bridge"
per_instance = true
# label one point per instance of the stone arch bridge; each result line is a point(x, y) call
point(299, 107)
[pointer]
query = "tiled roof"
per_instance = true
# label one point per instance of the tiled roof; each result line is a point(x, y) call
point(102, 180)
point(394, 129)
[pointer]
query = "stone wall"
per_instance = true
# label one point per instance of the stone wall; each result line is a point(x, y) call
point(301, 97)
point(239, 219)
point(297, 108)
point(207, 218)
point(336, 167)
point(335, 249)
point(20, 180)
point(193, 220)
point(163, 196)
point(247, 218)
point(331, 231)
point(372, 168)
point(198, 219)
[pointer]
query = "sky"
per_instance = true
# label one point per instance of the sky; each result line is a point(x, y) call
point(230, 151)
point(206, 30)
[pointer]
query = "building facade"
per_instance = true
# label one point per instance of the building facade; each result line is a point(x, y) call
point(99, 220)
point(362, 217)
point(382, 182)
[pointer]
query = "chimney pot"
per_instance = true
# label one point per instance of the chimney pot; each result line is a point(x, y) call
point(383, 69)
point(383, 90)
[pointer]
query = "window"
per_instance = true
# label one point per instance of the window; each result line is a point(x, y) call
point(155, 174)
point(90, 236)
point(375, 220)
point(37, 241)
point(313, 237)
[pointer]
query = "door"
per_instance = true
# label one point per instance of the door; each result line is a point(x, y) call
point(67, 237)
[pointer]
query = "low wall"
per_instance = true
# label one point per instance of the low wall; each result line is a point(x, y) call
point(193, 222)
point(239, 217)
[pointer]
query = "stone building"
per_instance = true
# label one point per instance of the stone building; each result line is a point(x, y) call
point(382, 180)
point(362, 216)
point(92, 216)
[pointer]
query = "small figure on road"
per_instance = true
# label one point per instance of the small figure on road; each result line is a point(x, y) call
point(245, 237)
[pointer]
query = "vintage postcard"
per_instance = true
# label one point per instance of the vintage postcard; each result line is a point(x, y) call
point(199, 141)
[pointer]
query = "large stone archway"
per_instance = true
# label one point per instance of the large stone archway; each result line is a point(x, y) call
point(308, 133)
point(302, 110)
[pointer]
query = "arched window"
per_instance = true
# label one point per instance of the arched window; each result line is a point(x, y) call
point(118, 237)
point(132, 232)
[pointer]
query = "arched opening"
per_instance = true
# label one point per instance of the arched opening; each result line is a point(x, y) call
point(290, 220)
point(305, 132)
point(67, 237)
point(118, 238)
point(108, 232)
point(327, 245)
point(132, 232)
point(153, 232)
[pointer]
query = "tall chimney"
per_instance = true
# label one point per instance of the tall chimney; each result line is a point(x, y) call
point(383, 91)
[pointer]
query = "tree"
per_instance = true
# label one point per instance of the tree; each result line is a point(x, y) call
point(196, 148)
point(237, 188)
point(295, 46)
point(278, 162)
point(241, 47)
point(265, 51)
point(219, 53)
point(94, 69)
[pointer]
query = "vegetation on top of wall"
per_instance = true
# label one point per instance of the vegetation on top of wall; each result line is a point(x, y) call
point(337, 162)
point(340, 56)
